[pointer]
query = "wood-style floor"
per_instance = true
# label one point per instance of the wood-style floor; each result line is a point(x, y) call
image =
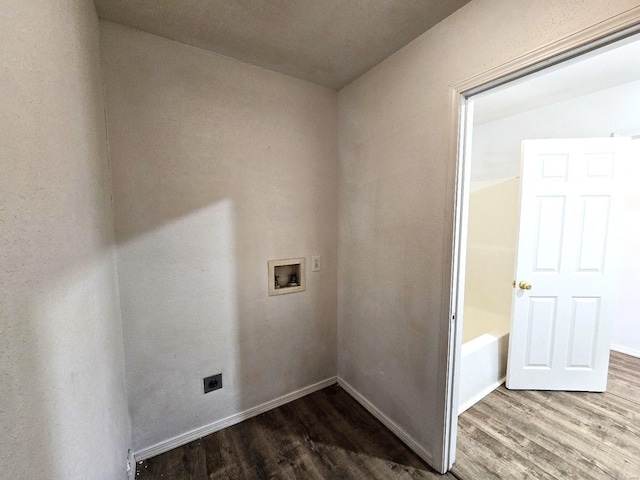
point(555, 435)
point(325, 435)
point(508, 435)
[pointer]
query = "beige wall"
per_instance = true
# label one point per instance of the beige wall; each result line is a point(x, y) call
point(218, 167)
point(63, 407)
point(393, 124)
point(491, 256)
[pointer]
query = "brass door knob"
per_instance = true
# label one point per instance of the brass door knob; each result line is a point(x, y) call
point(525, 285)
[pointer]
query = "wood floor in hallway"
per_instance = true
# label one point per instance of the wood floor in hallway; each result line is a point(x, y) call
point(555, 435)
point(508, 435)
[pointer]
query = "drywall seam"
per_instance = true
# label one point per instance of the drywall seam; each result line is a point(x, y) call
point(387, 422)
point(234, 419)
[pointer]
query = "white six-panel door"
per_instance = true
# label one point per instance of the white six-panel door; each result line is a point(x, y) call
point(571, 204)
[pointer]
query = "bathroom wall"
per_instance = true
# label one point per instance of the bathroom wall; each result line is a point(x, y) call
point(496, 154)
point(63, 405)
point(218, 167)
point(491, 254)
point(396, 199)
point(625, 334)
point(497, 144)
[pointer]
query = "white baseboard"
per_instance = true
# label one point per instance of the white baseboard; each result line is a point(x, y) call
point(479, 396)
point(399, 432)
point(200, 432)
point(628, 351)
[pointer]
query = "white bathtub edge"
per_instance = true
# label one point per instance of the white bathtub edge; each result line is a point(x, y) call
point(483, 368)
point(479, 396)
point(483, 340)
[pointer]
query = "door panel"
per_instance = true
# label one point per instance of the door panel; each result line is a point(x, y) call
point(540, 329)
point(585, 320)
point(548, 250)
point(571, 201)
point(594, 222)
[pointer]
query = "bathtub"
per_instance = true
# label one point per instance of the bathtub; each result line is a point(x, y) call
point(483, 367)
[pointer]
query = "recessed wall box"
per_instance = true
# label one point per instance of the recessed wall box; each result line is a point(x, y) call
point(287, 276)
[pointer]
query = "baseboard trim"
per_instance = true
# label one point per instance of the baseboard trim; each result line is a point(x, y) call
point(390, 424)
point(628, 351)
point(200, 432)
point(479, 396)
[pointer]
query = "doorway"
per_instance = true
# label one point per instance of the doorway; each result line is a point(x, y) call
point(577, 93)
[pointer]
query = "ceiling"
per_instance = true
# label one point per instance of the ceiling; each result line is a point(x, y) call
point(601, 69)
point(328, 42)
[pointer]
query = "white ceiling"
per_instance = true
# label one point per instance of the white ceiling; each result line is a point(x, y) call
point(328, 42)
point(607, 67)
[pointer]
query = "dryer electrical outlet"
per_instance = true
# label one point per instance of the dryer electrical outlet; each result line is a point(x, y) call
point(214, 382)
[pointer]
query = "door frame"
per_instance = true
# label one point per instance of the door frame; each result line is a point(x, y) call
point(458, 180)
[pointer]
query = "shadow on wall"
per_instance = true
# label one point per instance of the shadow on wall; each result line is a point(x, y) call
point(217, 167)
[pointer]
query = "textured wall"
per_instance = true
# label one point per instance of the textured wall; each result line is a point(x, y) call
point(393, 145)
point(63, 408)
point(218, 167)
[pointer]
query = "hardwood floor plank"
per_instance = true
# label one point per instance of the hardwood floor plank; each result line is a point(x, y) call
point(327, 438)
point(608, 412)
point(572, 435)
point(468, 465)
point(325, 435)
point(620, 359)
point(506, 462)
point(625, 382)
point(367, 444)
point(565, 426)
point(593, 425)
point(536, 427)
point(302, 426)
point(557, 460)
point(182, 463)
